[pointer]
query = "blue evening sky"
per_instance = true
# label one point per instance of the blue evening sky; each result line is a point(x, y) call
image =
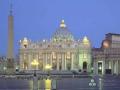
point(38, 19)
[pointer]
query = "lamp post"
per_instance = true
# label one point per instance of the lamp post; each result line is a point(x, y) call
point(48, 67)
point(34, 63)
point(4, 69)
point(35, 79)
point(100, 84)
point(48, 81)
point(92, 70)
point(92, 83)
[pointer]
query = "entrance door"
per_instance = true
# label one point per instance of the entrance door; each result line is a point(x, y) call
point(100, 67)
point(84, 66)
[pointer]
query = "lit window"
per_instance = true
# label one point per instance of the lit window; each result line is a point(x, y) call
point(54, 55)
point(84, 55)
point(68, 55)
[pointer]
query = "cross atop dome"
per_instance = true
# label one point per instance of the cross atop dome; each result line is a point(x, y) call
point(11, 7)
point(62, 25)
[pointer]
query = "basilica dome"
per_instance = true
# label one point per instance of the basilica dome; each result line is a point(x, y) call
point(62, 34)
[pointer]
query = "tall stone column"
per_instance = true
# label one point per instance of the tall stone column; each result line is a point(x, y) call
point(51, 59)
point(29, 61)
point(21, 61)
point(95, 65)
point(63, 62)
point(37, 57)
point(117, 67)
point(112, 68)
point(45, 59)
point(103, 67)
point(72, 58)
point(57, 61)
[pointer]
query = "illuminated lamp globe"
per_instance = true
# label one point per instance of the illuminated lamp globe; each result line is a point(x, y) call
point(34, 62)
point(48, 67)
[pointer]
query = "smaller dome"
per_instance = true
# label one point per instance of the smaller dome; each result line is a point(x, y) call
point(86, 41)
point(25, 41)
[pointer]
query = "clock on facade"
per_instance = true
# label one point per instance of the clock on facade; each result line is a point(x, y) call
point(106, 44)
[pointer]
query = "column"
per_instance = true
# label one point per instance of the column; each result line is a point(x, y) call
point(103, 67)
point(117, 67)
point(45, 59)
point(21, 61)
point(72, 63)
point(109, 64)
point(112, 69)
point(95, 66)
point(51, 59)
point(106, 64)
point(29, 61)
point(57, 61)
point(63, 58)
point(43, 55)
point(36, 60)
point(65, 61)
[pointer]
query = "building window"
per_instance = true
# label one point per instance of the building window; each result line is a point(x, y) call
point(54, 55)
point(100, 67)
point(68, 55)
point(85, 55)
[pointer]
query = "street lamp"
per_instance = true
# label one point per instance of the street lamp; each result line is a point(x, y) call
point(35, 79)
point(92, 70)
point(92, 83)
point(35, 63)
point(100, 84)
point(48, 84)
point(4, 69)
point(48, 67)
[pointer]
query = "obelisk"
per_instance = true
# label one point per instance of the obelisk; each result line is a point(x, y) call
point(10, 52)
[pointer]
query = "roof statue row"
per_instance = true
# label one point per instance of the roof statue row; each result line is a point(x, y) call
point(62, 34)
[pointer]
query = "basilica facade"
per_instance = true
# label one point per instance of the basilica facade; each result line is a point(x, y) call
point(62, 52)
